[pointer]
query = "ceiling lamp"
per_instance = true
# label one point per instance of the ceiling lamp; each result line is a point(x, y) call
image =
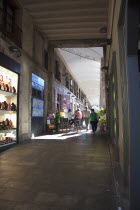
point(103, 30)
point(105, 42)
point(14, 49)
point(104, 68)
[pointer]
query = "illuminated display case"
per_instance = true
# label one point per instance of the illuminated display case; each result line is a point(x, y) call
point(8, 107)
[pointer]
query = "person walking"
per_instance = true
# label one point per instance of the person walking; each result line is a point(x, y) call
point(69, 116)
point(78, 118)
point(86, 116)
point(93, 120)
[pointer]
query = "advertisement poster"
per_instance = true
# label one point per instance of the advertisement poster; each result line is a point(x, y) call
point(37, 108)
point(68, 104)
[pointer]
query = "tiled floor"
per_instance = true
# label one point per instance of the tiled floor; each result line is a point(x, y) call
point(70, 173)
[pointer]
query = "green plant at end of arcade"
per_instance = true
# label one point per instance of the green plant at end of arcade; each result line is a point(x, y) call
point(101, 112)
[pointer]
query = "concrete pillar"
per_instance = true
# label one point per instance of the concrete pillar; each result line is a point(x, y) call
point(107, 100)
point(51, 80)
point(134, 102)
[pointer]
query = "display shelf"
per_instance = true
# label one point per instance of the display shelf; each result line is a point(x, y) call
point(7, 112)
point(6, 145)
point(3, 92)
point(8, 117)
point(8, 130)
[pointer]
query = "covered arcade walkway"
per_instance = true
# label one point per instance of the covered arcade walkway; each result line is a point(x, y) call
point(69, 173)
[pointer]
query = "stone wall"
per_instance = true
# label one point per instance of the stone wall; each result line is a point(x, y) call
point(31, 58)
point(115, 48)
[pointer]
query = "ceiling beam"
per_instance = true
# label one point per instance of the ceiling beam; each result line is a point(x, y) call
point(76, 36)
point(66, 6)
point(73, 12)
point(73, 25)
point(61, 2)
point(70, 19)
point(72, 30)
point(76, 43)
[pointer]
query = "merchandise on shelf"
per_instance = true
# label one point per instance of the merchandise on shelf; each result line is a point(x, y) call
point(5, 125)
point(14, 89)
point(10, 89)
point(13, 107)
point(2, 86)
point(4, 139)
point(7, 88)
point(7, 106)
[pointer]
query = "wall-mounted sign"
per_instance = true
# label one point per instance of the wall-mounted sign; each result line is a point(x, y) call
point(68, 104)
point(37, 80)
point(37, 83)
point(37, 87)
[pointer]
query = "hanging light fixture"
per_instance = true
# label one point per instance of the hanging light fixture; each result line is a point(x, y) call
point(14, 49)
point(104, 68)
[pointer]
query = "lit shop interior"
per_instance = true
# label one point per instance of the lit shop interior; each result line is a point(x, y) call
point(8, 107)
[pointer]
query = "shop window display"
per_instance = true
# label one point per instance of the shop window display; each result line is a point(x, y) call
point(8, 106)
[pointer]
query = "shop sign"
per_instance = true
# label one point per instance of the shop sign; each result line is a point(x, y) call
point(37, 80)
point(37, 87)
point(68, 103)
point(64, 102)
point(37, 83)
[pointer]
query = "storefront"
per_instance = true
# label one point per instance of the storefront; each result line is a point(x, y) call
point(37, 103)
point(59, 98)
point(9, 83)
point(66, 103)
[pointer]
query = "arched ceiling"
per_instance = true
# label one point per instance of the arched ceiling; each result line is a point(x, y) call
point(85, 70)
point(69, 19)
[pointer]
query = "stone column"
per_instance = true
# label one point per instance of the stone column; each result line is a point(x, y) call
point(134, 102)
point(51, 80)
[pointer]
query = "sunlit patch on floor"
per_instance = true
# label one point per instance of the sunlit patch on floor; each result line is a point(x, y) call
point(61, 136)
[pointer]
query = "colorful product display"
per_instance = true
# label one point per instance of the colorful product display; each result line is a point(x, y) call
point(8, 103)
point(7, 106)
point(7, 88)
point(7, 124)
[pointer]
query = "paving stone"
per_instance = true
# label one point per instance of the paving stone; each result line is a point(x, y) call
point(7, 205)
point(70, 174)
